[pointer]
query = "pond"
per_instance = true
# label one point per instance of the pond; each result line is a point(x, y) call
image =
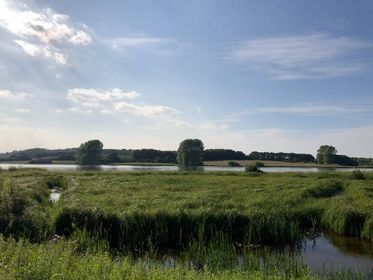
point(73, 167)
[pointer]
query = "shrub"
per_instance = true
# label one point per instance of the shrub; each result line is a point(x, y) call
point(358, 175)
point(259, 164)
point(56, 182)
point(324, 189)
point(254, 167)
point(233, 164)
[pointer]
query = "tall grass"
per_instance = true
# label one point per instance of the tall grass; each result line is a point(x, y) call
point(61, 260)
point(211, 220)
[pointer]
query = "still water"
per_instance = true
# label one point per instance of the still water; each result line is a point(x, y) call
point(72, 167)
point(331, 252)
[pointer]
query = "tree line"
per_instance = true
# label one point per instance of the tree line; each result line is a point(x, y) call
point(326, 154)
point(287, 157)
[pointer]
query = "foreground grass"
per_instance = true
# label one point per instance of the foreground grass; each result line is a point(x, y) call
point(22, 260)
point(144, 215)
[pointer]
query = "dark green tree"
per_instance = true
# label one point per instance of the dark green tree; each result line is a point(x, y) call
point(90, 153)
point(190, 153)
point(325, 154)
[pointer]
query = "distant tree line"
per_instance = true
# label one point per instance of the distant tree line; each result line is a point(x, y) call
point(223, 154)
point(325, 155)
point(287, 157)
point(151, 155)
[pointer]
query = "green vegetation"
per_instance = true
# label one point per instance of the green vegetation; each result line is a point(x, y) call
point(141, 156)
point(328, 155)
point(254, 167)
point(157, 225)
point(284, 157)
point(190, 152)
point(325, 154)
point(233, 164)
point(223, 154)
point(90, 153)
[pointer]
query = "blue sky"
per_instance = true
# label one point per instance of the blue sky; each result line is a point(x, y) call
point(248, 75)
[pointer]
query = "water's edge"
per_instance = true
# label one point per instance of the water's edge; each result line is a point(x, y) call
point(165, 168)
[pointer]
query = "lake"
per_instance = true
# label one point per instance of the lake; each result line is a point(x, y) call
point(73, 167)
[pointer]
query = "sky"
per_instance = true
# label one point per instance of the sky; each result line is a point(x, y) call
point(275, 76)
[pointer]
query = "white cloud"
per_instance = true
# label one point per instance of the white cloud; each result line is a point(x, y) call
point(14, 96)
point(113, 100)
point(49, 52)
point(97, 98)
point(28, 48)
point(314, 56)
point(80, 38)
point(144, 110)
point(44, 32)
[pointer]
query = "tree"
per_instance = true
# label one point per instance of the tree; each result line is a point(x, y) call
point(325, 154)
point(90, 153)
point(190, 153)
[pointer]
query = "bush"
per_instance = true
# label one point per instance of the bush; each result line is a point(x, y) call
point(233, 164)
point(254, 167)
point(324, 189)
point(259, 164)
point(358, 175)
point(58, 182)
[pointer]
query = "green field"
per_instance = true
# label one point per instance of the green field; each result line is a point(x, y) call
point(124, 225)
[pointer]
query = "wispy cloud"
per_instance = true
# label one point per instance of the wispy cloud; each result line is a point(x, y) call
point(314, 56)
point(145, 110)
point(314, 110)
point(9, 95)
point(137, 42)
point(115, 100)
point(42, 33)
point(98, 98)
point(23, 110)
point(155, 45)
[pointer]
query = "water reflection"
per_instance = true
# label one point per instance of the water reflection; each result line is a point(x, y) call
point(171, 168)
point(329, 252)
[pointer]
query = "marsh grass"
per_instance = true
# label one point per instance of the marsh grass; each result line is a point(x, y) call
point(214, 221)
point(61, 260)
